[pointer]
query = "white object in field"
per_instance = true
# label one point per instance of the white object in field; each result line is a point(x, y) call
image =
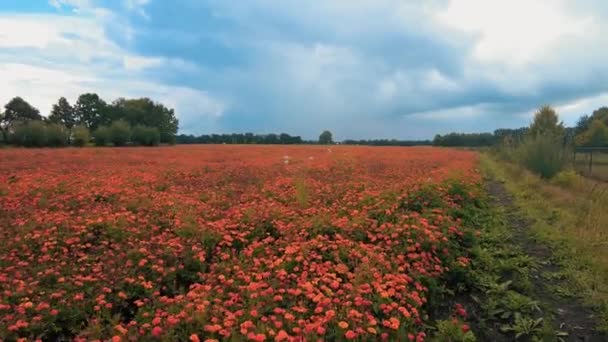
point(286, 159)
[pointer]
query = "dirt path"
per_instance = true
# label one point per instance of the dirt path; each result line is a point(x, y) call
point(567, 314)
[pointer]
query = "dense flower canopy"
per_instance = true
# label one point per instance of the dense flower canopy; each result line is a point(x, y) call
point(220, 242)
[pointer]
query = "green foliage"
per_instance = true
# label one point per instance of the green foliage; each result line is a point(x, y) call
point(567, 179)
point(544, 155)
point(120, 132)
point(57, 135)
point(524, 326)
point(595, 136)
point(326, 138)
point(19, 110)
point(146, 136)
point(30, 134)
point(546, 123)
point(452, 331)
point(464, 139)
point(101, 136)
point(80, 136)
point(91, 111)
point(63, 113)
point(145, 112)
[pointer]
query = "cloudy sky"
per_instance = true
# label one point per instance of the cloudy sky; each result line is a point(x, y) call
point(403, 69)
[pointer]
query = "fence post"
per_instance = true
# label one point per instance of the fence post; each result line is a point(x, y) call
point(590, 161)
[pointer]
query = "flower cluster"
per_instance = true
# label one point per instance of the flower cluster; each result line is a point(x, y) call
point(225, 242)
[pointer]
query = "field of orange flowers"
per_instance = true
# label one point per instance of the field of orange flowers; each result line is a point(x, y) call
point(261, 243)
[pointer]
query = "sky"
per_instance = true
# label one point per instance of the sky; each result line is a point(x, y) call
point(359, 68)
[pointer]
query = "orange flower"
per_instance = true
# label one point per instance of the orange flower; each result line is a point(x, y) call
point(343, 325)
point(157, 331)
point(350, 335)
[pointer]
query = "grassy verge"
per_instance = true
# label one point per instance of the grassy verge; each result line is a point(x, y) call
point(497, 290)
point(571, 218)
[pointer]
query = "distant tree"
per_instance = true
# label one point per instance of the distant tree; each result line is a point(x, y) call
point(600, 114)
point(63, 113)
point(91, 111)
point(80, 136)
point(582, 124)
point(120, 133)
point(465, 139)
point(17, 110)
point(31, 133)
point(595, 136)
point(546, 123)
point(144, 111)
point(101, 136)
point(57, 135)
point(146, 136)
point(4, 136)
point(326, 138)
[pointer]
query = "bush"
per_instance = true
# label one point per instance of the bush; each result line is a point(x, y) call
point(101, 136)
point(147, 136)
point(80, 136)
point(120, 133)
point(567, 179)
point(544, 155)
point(57, 135)
point(30, 134)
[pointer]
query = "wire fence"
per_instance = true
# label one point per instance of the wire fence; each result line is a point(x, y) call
point(591, 162)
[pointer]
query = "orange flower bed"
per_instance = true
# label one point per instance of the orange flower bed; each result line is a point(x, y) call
point(225, 242)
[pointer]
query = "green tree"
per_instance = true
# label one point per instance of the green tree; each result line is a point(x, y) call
point(120, 133)
point(91, 111)
point(582, 124)
point(101, 136)
point(63, 113)
point(80, 136)
point(600, 114)
point(595, 136)
point(146, 136)
point(146, 112)
point(29, 133)
point(57, 135)
point(326, 138)
point(17, 110)
point(546, 122)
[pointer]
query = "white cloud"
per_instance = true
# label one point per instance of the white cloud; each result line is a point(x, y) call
point(139, 63)
point(570, 112)
point(515, 32)
point(77, 4)
point(137, 6)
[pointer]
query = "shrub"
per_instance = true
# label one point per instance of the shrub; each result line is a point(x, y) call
point(147, 136)
point(57, 135)
point(543, 155)
point(30, 134)
point(80, 136)
point(101, 136)
point(120, 133)
point(567, 179)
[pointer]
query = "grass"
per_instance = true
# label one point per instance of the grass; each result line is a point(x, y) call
point(572, 219)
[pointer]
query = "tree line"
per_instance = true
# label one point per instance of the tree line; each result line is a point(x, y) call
point(325, 138)
point(387, 142)
point(241, 138)
point(124, 121)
